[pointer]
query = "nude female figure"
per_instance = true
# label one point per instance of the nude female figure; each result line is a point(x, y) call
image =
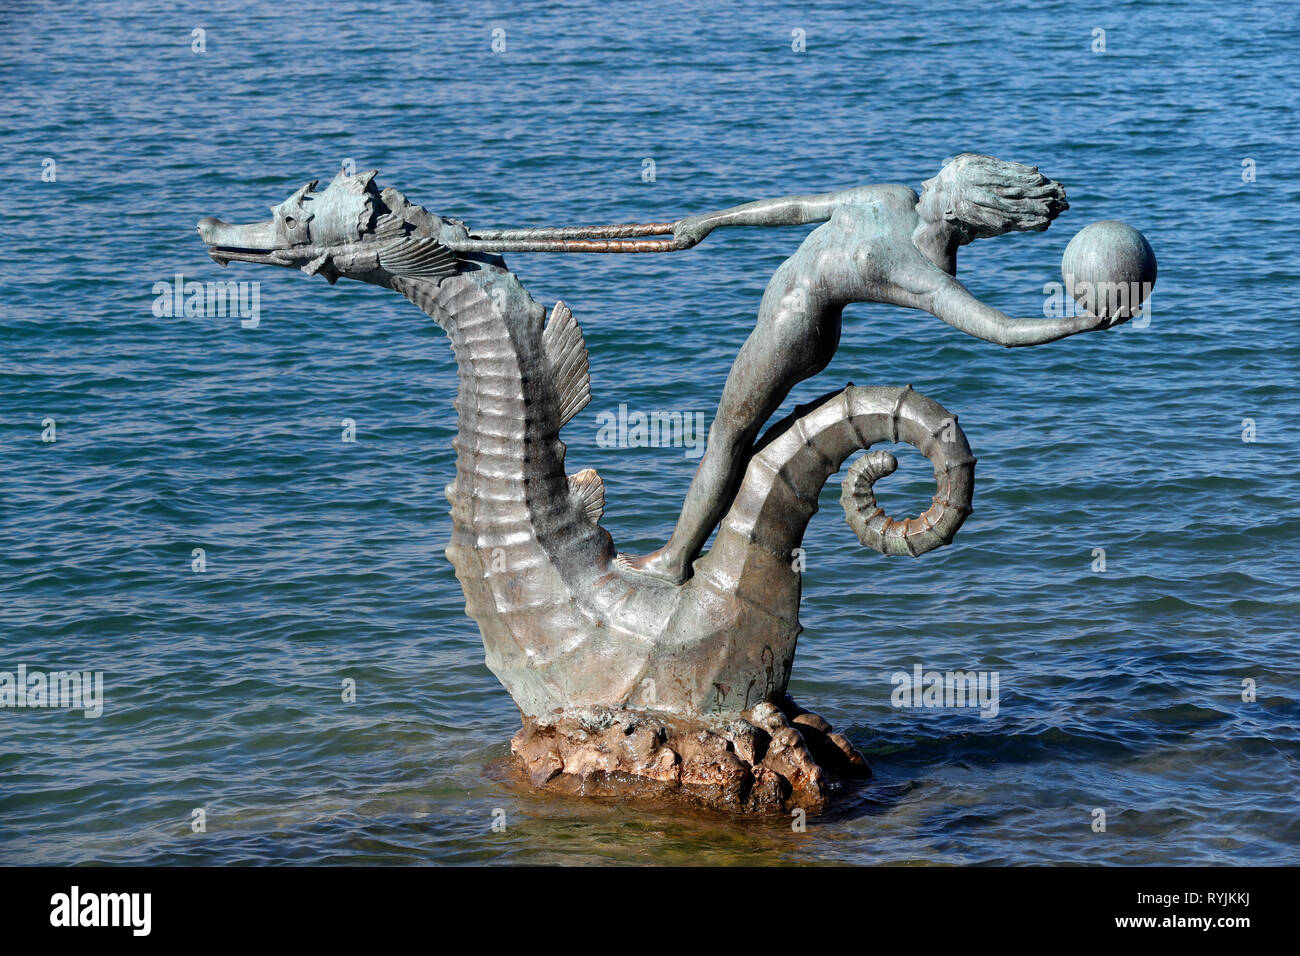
point(878, 244)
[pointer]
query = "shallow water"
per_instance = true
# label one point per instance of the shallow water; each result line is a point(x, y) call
point(1118, 690)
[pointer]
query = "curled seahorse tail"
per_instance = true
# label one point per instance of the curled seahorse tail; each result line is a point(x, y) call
point(794, 459)
point(929, 427)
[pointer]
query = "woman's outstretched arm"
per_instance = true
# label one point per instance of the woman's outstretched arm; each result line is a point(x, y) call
point(953, 302)
point(785, 211)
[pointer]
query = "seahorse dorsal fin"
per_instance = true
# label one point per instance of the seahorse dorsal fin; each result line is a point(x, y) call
point(567, 354)
point(589, 492)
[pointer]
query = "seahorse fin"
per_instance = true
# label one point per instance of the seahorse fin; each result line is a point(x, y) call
point(588, 490)
point(419, 257)
point(567, 354)
point(391, 226)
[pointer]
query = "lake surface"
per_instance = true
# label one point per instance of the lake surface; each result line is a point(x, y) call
point(1120, 690)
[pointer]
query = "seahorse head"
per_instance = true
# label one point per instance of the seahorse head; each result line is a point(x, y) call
point(348, 230)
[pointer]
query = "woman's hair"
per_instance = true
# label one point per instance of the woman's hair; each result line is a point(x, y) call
point(989, 196)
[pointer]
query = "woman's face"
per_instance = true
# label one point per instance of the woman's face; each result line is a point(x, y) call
point(939, 198)
point(938, 204)
point(929, 206)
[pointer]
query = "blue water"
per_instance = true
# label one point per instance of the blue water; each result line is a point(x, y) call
point(1120, 690)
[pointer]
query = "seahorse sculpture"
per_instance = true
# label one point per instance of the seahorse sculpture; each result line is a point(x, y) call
point(623, 682)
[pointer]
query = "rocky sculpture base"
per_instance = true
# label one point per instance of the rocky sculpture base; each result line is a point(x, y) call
point(770, 761)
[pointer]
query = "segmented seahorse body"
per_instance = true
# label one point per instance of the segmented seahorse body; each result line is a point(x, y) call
point(562, 625)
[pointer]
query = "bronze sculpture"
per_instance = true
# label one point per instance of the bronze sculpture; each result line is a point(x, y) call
point(658, 675)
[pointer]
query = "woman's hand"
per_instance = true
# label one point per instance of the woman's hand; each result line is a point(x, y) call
point(1099, 323)
point(689, 231)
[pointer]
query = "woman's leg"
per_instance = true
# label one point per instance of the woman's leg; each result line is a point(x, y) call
point(783, 350)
